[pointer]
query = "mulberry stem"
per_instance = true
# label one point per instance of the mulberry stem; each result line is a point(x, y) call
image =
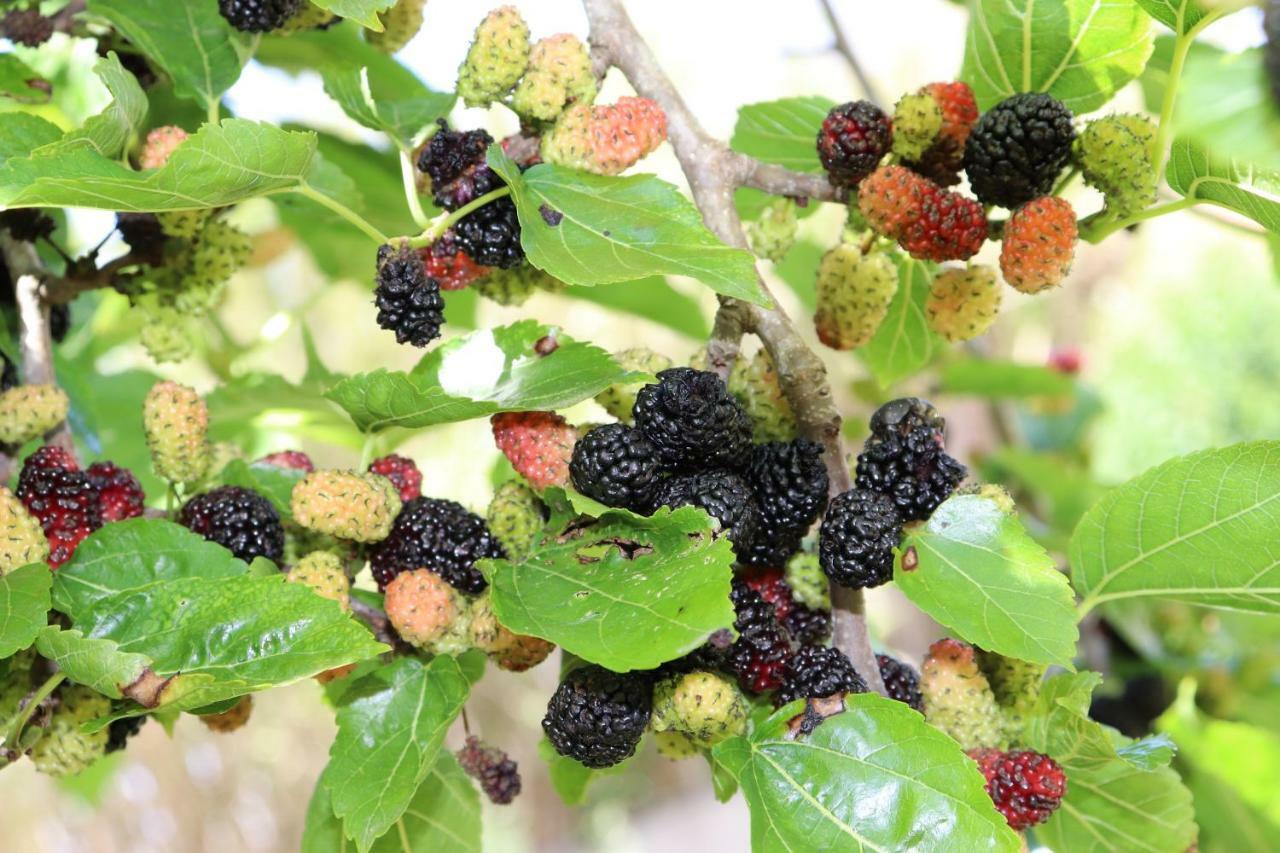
point(444, 223)
point(20, 722)
point(307, 191)
point(420, 217)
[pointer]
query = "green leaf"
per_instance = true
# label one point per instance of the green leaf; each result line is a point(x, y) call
point(782, 131)
point(1116, 798)
point(1225, 108)
point(1242, 758)
point(240, 408)
point(1080, 51)
point(194, 44)
point(1004, 379)
point(1058, 479)
point(274, 483)
point(590, 229)
point(1199, 528)
point(363, 12)
point(111, 131)
point(625, 592)
point(1178, 15)
point(219, 165)
point(96, 663)
point(155, 589)
point(382, 95)
point(24, 606)
point(443, 817)
point(488, 371)
point(22, 133)
point(391, 725)
point(979, 574)
point(904, 344)
point(877, 777)
point(653, 299)
point(18, 82)
point(136, 554)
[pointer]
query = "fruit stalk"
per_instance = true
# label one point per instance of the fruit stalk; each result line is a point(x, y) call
point(714, 172)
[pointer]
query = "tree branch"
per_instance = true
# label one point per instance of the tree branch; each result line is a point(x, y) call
point(35, 340)
point(846, 51)
point(714, 172)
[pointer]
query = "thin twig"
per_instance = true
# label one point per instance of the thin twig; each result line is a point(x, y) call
point(845, 49)
point(714, 172)
point(377, 621)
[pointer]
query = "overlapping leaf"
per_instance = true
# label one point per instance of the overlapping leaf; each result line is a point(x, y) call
point(973, 567)
point(363, 12)
point(1120, 796)
point(590, 229)
point(22, 133)
point(1199, 528)
point(904, 344)
point(1079, 51)
point(626, 592)
point(192, 42)
point(877, 777)
point(1225, 108)
point(391, 724)
point(98, 663)
point(18, 82)
point(109, 132)
point(154, 589)
point(219, 165)
point(443, 817)
point(488, 371)
point(24, 606)
point(782, 131)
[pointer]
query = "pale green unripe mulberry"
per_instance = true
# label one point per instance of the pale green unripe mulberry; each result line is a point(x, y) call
point(559, 74)
point(853, 295)
point(963, 302)
point(1115, 157)
point(324, 573)
point(514, 286)
point(515, 517)
point(808, 582)
point(218, 253)
point(509, 650)
point(1016, 686)
point(754, 383)
point(165, 334)
point(400, 24)
point(705, 706)
point(66, 749)
point(497, 58)
point(347, 504)
point(917, 120)
point(176, 422)
point(308, 17)
point(674, 745)
point(773, 233)
point(22, 540)
point(619, 399)
point(958, 698)
point(29, 411)
point(182, 223)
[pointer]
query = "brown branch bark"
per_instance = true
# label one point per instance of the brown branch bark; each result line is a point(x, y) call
point(714, 172)
point(35, 340)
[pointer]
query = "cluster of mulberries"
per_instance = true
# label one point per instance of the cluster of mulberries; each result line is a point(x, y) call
point(898, 170)
point(903, 474)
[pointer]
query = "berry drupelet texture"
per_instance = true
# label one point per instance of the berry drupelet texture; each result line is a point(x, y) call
point(615, 465)
point(497, 773)
point(402, 472)
point(692, 421)
point(1018, 148)
point(1026, 787)
point(57, 493)
point(238, 519)
point(408, 300)
point(258, 16)
point(901, 681)
point(1039, 244)
point(857, 538)
point(439, 535)
point(491, 234)
point(904, 458)
point(816, 672)
point(597, 717)
point(763, 646)
point(723, 494)
point(120, 495)
point(853, 139)
point(454, 160)
point(791, 484)
point(537, 444)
